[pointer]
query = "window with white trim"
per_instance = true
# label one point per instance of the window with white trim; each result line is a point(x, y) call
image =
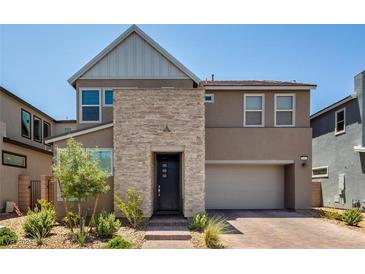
point(320, 172)
point(108, 97)
point(209, 98)
point(254, 105)
point(284, 110)
point(90, 106)
point(340, 122)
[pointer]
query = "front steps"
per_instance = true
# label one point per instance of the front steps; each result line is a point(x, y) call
point(167, 232)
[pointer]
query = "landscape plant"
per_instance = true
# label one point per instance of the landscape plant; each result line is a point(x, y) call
point(333, 215)
point(131, 208)
point(7, 236)
point(40, 221)
point(352, 216)
point(106, 225)
point(216, 226)
point(80, 179)
point(118, 243)
point(198, 222)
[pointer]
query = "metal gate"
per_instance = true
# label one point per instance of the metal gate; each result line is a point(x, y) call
point(35, 193)
point(50, 186)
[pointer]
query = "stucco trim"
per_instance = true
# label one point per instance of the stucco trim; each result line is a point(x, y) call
point(259, 87)
point(250, 162)
point(359, 148)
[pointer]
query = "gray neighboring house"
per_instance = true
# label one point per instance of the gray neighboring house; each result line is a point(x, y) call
point(339, 150)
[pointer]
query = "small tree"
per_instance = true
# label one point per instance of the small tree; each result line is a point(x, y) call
point(80, 177)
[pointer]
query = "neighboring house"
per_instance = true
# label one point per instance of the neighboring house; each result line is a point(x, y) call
point(23, 129)
point(339, 150)
point(189, 145)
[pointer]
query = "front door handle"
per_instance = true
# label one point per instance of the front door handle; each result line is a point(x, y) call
point(159, 190)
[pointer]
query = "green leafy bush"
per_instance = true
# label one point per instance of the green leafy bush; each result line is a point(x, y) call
point(7, 236)
point(106, 225)
point(71, 220)
point(118, 243)
point(131, 209)
point(352, 216)
point(333, 215)
point(39, 223)
point(199, 221)
point(81, 234)
point(213, 230)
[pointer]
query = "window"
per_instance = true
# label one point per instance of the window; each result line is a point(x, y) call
point(209, 98)
point(104, 157)
point(254, 105)
point(340, 121)
point(90, 106)
point(320, 172)
point(13, 159)
point(46, 130)
point(68, 129)
point(26, 124)
point(37, 129)
point(108, 97)
point(284, 110)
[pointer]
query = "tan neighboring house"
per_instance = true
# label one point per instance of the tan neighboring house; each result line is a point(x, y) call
point(23, 130)
point(189, 145)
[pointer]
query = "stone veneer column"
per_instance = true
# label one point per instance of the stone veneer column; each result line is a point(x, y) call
point(44, 187)
point(140, 117)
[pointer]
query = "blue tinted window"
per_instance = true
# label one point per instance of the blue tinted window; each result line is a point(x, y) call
point(90, 114)
point(108, 100)
point(90, 97)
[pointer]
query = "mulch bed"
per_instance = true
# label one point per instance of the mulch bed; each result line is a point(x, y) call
point(61, 238)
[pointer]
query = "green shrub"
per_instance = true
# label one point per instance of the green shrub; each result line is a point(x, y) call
point(106, 225)
point(39, 223)
point(131, 209)
point(212, 232)
point(333, 215)
point(118, 243)
point(199, 221)
point(352, 216)
point(81, 234)
point(71, 220)
point(7, 236)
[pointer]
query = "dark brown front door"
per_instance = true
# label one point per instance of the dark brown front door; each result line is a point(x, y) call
point(168, 183)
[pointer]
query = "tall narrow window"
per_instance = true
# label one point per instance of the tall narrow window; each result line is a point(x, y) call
point(90, 106)
point(254, 110)
point(284, 110)
point(340, 121)
point(108, 97)
point(46, 130)
point(37, 129)
point(25, 124)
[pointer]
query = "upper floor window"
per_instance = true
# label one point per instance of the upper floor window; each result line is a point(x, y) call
point(37, 129)
point(25, 124)
point(254, 105)
point(340, 126)
point(108, 97)
point(209, 98)
point(284, 110)
point(90, 106)
point(46, 130)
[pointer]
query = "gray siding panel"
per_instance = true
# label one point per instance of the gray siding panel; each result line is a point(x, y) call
point(134, 58)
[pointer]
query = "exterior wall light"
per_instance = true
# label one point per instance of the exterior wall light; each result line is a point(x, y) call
point(304, 159)
point(167, 129)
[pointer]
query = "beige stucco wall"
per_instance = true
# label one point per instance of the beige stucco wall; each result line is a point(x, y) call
point(107, 112)
point(140, 117)
point(227, 109)
point(268, 144)
point(59, 128)
point(10, 110)
point(101, 139)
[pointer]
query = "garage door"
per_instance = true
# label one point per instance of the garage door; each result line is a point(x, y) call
point(244, 186)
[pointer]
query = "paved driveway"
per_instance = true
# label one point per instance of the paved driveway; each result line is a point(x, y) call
point(286, 229)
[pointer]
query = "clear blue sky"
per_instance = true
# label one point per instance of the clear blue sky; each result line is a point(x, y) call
point(37, 60)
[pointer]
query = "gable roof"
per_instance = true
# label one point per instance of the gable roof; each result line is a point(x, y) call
point(255, 84)
point(118, 41)
point(334, 105)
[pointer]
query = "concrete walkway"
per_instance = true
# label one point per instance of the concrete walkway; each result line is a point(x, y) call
point(167, 232)
point(286, 229)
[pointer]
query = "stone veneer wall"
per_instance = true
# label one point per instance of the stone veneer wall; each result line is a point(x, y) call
point(140, 117)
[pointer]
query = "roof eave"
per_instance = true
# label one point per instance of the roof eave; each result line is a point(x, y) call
point(334, 105)
point(258, 87)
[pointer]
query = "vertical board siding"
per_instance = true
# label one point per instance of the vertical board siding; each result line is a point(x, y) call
point(134, 58)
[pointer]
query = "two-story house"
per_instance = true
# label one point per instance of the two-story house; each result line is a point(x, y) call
point(339, 150)
point(189, 145)
point(23, 130)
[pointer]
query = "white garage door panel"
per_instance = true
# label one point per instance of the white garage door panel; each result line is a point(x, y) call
point(244, 187)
